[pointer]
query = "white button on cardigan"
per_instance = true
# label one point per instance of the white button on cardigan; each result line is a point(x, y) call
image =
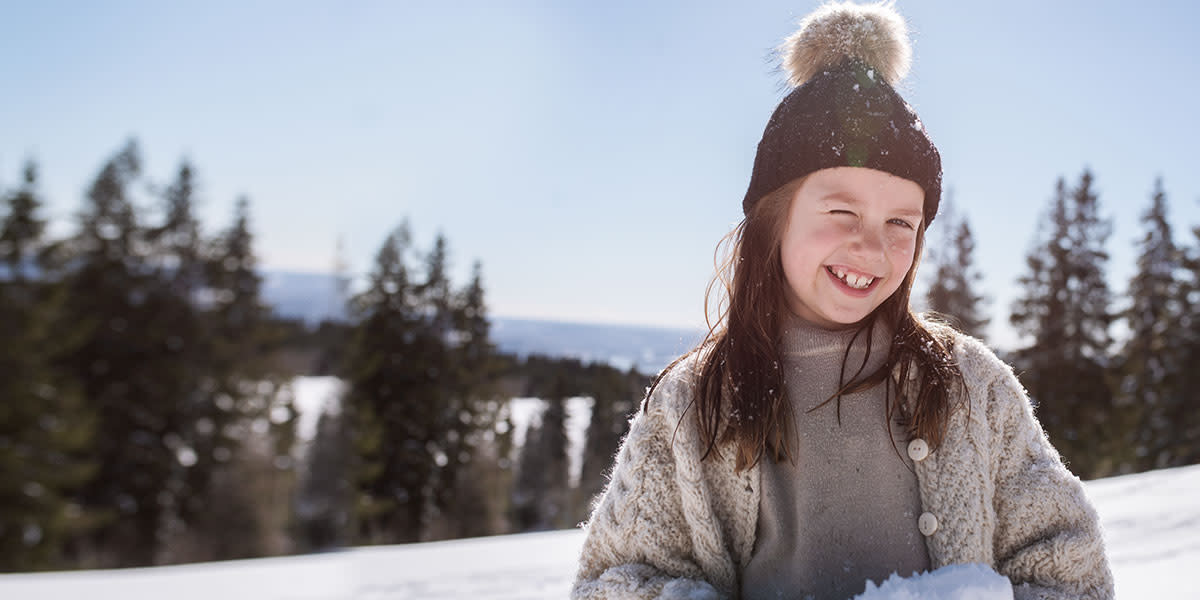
point(927, 524)
point(918, 449)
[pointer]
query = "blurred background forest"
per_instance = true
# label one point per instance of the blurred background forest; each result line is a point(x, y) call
point(147, 411)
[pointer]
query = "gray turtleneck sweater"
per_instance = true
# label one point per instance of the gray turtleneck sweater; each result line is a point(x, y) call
point(847, 509)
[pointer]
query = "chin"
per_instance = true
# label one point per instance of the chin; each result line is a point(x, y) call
point(848, 318)
point(849, 321)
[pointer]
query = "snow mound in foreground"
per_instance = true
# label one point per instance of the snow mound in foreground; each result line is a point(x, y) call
point(954, 582)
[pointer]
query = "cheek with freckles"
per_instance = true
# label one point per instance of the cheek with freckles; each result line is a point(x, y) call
point(901, 240)
point(901, 250)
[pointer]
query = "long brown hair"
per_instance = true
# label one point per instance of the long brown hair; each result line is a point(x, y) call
point(739, 358)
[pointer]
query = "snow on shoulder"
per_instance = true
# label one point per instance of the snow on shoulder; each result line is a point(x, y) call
point(954, 582)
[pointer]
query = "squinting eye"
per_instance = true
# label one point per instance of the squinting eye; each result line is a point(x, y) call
point(901, 222)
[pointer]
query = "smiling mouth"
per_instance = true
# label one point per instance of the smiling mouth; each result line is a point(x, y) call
point(853, 280)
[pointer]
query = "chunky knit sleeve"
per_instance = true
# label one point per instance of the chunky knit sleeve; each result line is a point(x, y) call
point(1047, 537)
point(639, 543)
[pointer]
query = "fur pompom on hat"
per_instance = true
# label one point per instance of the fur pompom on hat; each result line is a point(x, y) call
point(844, 111)
point(873, 34)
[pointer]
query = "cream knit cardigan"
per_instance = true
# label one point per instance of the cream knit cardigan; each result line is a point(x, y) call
point(672, 526)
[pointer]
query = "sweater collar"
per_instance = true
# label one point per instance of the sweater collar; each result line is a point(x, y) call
point(801, 340)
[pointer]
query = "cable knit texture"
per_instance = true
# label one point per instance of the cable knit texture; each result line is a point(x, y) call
point(671, 526)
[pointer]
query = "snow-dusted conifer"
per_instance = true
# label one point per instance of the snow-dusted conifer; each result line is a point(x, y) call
point(953, 291)
point(1151, 361)
point(1063, 312)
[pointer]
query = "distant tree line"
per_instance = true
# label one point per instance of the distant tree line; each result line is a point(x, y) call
point(422, 445)
point(146, 400)
point(1110, 404)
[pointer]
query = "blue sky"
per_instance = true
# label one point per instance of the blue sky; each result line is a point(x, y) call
point(590, 154)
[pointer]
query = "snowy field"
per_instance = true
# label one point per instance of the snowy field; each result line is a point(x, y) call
point(1151, 522)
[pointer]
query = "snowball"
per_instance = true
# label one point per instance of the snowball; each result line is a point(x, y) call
point(689, 589)
point(954, 582)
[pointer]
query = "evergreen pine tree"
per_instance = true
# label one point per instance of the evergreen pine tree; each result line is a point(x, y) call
point(474, 351)
point(324, 498)
point(1187, 421)
point(177, 243)
point(45, 429)
point(528, 491)
point(111, 300)
point(438, 387)
point(245, 420)
point(420, 401)
point(505, 469)
point(466, 484)
point(175, 281)
point(391, 423)
point(21, 237)
point(1064, 311)
point(557, 474)
point(953, 290)
point(542, 488)
point(1151, 360)
point(238, 313)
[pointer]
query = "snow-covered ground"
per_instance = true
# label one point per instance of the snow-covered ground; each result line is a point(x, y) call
point(313, 396)
point(1152, 530)
point(1151, 522)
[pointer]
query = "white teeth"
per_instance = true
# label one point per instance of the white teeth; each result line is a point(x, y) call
point(853, 280)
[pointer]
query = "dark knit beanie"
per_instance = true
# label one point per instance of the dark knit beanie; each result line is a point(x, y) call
point(844, 111)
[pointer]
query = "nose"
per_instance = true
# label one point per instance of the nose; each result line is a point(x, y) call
point(868, 244)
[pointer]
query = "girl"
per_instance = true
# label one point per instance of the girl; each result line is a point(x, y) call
point(822, 434)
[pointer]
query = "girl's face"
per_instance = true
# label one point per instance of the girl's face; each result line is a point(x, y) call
point(849, 243)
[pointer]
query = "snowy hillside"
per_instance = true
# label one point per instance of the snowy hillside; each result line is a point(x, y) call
point(1151, 522)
